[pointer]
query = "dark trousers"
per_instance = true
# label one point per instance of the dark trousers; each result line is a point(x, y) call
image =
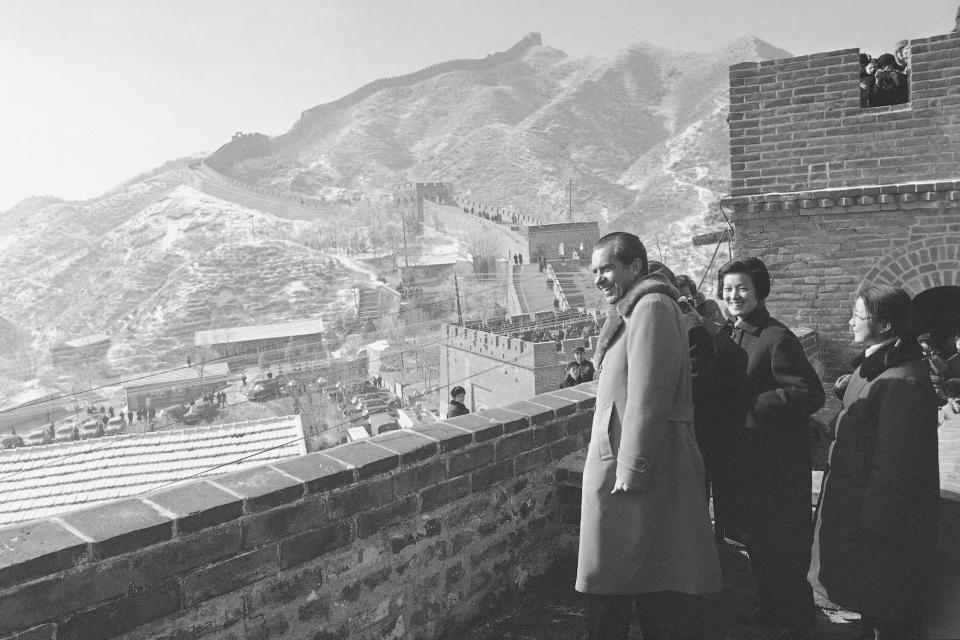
point(664, 615)
point(897, 626)
point(780, 572)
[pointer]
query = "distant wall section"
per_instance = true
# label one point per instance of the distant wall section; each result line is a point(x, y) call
point(367, 90)
point(568, 237)
point(243, 147)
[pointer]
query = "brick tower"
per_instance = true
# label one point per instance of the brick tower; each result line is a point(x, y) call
point(830, 194)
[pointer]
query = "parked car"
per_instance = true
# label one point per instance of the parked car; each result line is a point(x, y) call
point(264, 389)
point(376, 409)
point(10, 441)
point(382, 423)
point(201, 410)
point(40, 435)
point(92, 428)
point(66, 431)
point(172, 414)
point(384, 396)
point(114, 426)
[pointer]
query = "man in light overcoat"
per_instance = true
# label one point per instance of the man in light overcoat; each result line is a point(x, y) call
point(645, 534)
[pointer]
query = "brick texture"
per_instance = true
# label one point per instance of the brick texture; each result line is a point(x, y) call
point(406, 534)
point(796, 124)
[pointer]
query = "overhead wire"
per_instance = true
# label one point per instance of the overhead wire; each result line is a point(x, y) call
point(72, 394)
point(289, 442)
point(118, 439)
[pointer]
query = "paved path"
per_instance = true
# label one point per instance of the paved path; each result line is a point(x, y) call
point(532, 289)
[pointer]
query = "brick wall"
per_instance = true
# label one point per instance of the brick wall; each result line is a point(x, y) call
point(407, 534)
point(797, 124)
point(471, 228)
point(820, 245)
point(249, 145)
point(496, 369)
point(549, 236)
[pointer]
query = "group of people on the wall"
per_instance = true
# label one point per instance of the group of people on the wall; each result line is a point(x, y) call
point(885, 80)
point(692, 406)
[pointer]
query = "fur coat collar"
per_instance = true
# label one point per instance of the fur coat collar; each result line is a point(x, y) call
point(622, 308)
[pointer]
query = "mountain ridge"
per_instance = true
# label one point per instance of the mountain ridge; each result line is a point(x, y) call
point(641, 133)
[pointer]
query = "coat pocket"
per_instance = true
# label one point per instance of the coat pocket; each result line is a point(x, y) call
point(602, 432)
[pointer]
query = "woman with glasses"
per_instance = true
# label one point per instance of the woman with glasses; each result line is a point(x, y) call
point(876, 523)
point(767, 389)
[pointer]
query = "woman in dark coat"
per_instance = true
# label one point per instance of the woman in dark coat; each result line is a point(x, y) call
point(767, 390)
point(876, 523)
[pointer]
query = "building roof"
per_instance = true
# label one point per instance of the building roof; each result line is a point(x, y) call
point(565, 226)
point(42, 481)
point(212, 370)
point(258, 332)
point(428, 261)
point(86, 341)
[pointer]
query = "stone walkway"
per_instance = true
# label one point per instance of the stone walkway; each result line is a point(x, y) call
point(552, 610)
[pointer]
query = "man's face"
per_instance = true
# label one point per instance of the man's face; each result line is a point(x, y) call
point(611, 276)
point(460, 397)
point(578, 356)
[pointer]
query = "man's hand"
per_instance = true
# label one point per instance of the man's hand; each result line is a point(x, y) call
point(619, 486)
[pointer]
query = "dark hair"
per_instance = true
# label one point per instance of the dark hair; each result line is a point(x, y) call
point(685, 282)
point(626, 248)
point(754, 268)
point(456, 391)
point(573, 366)
point(656, 266)
point(579, 350)
point(951, 388)
point(888, 304)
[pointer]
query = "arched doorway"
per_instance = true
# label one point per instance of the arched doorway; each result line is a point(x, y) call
point(937, 312)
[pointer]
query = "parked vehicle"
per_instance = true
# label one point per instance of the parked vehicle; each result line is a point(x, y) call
point(382, 423)
point(264, 389)
point(114, 426)
point(66, 431)
point(367, 395)
point(40, 435)
point(10, 441)
point(90, 429)
point(172, 414)
point(200, 411)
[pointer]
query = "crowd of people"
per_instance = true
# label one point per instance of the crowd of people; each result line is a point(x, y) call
point(697, 401)
point(558, 326)
point(885, 80)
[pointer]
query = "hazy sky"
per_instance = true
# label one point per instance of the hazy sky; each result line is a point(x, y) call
point(93, 92)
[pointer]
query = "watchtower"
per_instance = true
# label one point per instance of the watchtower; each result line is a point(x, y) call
point(830, 194)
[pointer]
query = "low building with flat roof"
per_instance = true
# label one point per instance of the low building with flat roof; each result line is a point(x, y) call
point(242, 346)
point(80, 350)
point(174, 386)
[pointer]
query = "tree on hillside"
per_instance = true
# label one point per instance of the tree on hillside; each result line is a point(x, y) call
point(485, 251)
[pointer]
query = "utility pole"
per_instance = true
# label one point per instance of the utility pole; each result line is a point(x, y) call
point(456, 285)
point(570, 200)
point(403, 224)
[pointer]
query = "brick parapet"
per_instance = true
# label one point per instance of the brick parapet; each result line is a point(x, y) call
point(797, 123)
point(415, 530)
point(859, 198)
